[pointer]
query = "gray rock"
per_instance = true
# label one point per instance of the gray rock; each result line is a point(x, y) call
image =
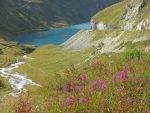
point(131, 12)
point(144, 25)
point(93, 24)
point(101, 26)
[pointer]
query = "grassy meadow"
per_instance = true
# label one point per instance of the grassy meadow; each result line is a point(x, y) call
point(108, 83)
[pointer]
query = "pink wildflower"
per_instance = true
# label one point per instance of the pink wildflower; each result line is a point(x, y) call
point(73, 84)
point(81, 100)
point(123, 75)
point(65, 88)
point(93, 85)
point(79, 88)
point(71, 99)
point(102, 85)
point(98, 62)
point(113, 79)
point(66, 104)
point(83, 78)
point(119, 91)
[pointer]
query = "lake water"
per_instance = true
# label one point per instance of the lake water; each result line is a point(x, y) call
point(52, 36)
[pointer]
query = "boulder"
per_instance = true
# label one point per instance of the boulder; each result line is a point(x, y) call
point(93, 24)
point(144, 25)
point(103, 26)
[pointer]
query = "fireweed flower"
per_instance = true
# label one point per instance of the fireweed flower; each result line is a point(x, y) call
point(69, 101)
point(81, 100)
point(73, 84)
point(98, 62)
point(93, 86)
point(102, 85)
point(83, 78)
point(113, 79)
point(119, 91)
point(65, 88)
point(123, 75)
point(66, 104)
point(79, 88)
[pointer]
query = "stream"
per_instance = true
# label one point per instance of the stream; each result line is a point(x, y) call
point(17, 80)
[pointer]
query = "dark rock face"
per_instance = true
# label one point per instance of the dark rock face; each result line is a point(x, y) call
point(18, 16)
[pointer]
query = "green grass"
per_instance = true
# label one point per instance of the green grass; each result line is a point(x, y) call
point(144, 13)
point(101, 34)
point(4, 86)
point(51, 61)
point(111, 15)
point(129, 35)
point(110, 65)
point(52, 68)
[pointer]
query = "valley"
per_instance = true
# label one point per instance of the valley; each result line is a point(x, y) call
point(103, 67)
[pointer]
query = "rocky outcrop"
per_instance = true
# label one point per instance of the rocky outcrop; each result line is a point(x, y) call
point(131, 12)
point(144, 25)
point(113, 44)
point(141, 39)
point(80, 41)
point(93, 24)
point(101, 26)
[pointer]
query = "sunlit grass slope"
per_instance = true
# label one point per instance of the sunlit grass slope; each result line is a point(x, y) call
point(112, 14)
point(50, 63)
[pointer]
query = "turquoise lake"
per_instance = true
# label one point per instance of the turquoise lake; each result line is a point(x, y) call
point(52, 36)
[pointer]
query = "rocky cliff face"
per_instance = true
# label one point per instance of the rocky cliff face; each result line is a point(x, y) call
point(130, 18)
point(144, 25)
point(17, 16)
point(113, 28)
point(101, 26)
point(131, 13)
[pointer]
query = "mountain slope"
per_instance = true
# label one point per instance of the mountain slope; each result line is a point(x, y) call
point(35, 15)
point(86, 46)
point(126, 16)
point(129, 21)
point(104, 69)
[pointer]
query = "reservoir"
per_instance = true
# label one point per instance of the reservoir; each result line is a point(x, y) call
point(52, 36)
